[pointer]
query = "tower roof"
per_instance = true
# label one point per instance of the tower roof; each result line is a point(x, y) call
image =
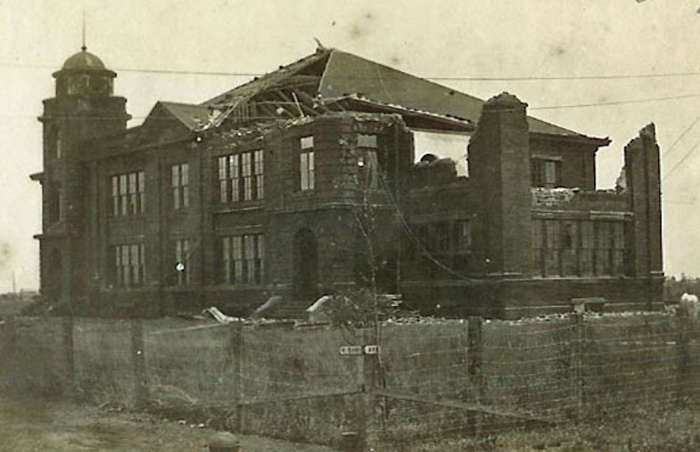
point(84, 60)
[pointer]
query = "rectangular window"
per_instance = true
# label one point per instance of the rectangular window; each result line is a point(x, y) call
point(306, 170)
point(603, 262)
point(133, 195)
point(618, 248)
point(115, 195)
point(367, 141)
point(546, 172)
point(241, 177)
point(306, 164)
point(243, 259)
point(575, 247)
point(367, 164)
point(550, 173)
point(223, 179)
point(538, 244)
point(182, 262)
point(226, 258)
point(129, 265)
point(250, 252)
point(552, 246)
point(237, 259)
point(235, 177)
point(141, 191)
point(587, 248)
point(180, 185)
point(123, 194)
point(128, 194)
point(247, 173)
point(306, 142)
point(569, 242)
point(258, 164)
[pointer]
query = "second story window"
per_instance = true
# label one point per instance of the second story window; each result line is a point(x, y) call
point(247, 173)
point(307, 178)
point(241, 177)
point(546, 172)
point(180, 185)
point(367, 163)
point(59, 149)
point(128, 194)
point(259, 179)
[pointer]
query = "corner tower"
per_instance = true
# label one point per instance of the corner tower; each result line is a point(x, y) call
point(83, 108)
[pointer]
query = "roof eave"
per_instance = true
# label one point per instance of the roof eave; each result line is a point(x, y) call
point(462, 124)
point(582, 139)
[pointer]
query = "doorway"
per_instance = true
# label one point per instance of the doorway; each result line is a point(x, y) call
point(305, 264)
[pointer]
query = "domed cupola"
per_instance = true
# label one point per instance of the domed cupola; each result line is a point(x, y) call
point(84, 60)
point(84, 74)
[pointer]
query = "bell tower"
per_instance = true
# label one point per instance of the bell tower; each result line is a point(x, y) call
point(83, 108)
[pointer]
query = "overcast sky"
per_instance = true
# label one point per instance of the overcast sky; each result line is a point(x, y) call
point(463, 38)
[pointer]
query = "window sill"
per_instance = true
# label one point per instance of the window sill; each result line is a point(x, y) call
point(126, 218)
point(239, 207)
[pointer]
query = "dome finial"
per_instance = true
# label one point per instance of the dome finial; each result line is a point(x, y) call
point(83, 47)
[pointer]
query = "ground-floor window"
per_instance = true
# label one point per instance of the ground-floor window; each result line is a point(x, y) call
point(129, 265)
point(442, 245)
point(579, 247)
point(182, 262)
point(242, 257)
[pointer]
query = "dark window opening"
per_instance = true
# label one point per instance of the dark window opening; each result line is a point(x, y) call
point(243, 259)
point(128, 194)
point(546, 173)
point(241, 177)
point(180, 186)
point(129, 265)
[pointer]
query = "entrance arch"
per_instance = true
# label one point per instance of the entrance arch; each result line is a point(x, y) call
point(305, 261)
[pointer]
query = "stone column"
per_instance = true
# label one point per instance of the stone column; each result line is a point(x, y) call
point(499, 155)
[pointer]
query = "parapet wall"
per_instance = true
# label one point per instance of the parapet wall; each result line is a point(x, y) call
point(574, 199)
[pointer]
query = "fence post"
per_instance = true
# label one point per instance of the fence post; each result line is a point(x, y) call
point(475, 348)
point(368, 377)
point(138, 354)
point(237, 351)
point(577, 362)
point(69, 355)
point(683, 356)
point(369, 373)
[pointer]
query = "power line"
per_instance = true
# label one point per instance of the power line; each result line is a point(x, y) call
point(681, 161)
point(568, 77)
point(680, 137)
point(146, 71)
point(616, 102)
point(440, 78)
point(550, 107)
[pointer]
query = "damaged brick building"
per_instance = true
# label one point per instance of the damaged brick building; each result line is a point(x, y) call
point(476, 208)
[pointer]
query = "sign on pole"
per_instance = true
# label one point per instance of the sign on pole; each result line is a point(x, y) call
point(351, 350)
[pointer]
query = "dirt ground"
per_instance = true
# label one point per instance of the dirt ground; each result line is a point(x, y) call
point(40, 425)
point(634, 430)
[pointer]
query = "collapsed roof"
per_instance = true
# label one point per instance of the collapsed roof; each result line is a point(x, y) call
point(332, 80)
